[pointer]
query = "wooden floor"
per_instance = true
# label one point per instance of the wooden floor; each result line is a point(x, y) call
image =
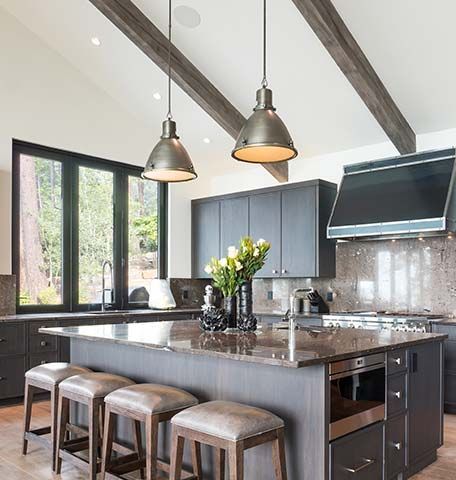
point(36, 465)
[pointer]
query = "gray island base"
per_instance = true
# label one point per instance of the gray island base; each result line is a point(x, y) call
point(289, 376)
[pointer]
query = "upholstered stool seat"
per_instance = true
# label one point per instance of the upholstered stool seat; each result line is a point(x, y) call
point(88, 389)
point(54, 373)
point(94, 384)
point(228, 426)
point(151, 404)
point(228, 420)
point(151, 399)
point(46, 377)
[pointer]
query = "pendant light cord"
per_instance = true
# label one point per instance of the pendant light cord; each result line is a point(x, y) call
point(169, 115)
point(264, 82)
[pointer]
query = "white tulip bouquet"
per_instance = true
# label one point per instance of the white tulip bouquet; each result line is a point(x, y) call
point(239, 266)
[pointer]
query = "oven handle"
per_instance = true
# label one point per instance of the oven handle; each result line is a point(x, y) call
point(367, 463)
point(350, 373)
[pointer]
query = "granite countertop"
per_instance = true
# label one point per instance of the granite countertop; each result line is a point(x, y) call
point(108, 314)
point(265, 346)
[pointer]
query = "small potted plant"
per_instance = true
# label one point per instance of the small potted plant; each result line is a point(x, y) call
point(226, 277)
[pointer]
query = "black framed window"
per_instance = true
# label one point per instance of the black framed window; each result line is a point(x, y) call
point(73, 212)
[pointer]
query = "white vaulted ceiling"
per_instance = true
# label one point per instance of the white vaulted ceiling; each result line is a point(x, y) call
point(409, 43)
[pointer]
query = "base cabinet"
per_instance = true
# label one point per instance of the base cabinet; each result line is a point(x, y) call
point(395, 447)
point(358, 456)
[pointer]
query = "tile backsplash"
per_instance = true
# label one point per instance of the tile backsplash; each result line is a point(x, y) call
point(7, 294)
point(188, 292)
point(410, 275)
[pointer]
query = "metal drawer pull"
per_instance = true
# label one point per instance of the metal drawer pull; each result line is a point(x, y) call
point(397, 445)
point(284, 271)
point(398, 394)
point(2, 378)
point(43, 362)
point(2, 340)
point(43, 343)
point(367, 463)
point(275, 272)
point(398, 361)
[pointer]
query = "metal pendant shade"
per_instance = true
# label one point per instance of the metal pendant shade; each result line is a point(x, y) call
point(264, 137)
point(169, 161)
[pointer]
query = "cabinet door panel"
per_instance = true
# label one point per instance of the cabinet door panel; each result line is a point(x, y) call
point(424, 400)
point(234, 222)
point(299, 248)
point(265, 223)
point(205, 236)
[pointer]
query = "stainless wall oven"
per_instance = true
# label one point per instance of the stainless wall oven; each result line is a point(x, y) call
point(357, 393)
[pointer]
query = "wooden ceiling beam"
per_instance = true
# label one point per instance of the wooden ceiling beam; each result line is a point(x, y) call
point(327, 24)
point(150, 40)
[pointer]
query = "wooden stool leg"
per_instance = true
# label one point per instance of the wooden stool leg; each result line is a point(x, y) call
point(236, 460)
point(94, 427)
point(138, 444)
point(219, 464)
point(278, 456)
point(151, 446)
point(196, 460)
point(177, 452)
point(108, 434)
point(54, 402)
point(63, 414)
point(28, 402)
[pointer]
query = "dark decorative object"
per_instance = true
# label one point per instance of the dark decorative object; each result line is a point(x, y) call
point(229, 305)
point(212, 319)
point(247, 321)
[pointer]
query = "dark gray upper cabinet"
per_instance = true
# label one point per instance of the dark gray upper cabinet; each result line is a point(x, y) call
point(205, 236)
point(299, 212)
point(291, 217)
point(234, 221)
point(425, 415)
point(265, 218)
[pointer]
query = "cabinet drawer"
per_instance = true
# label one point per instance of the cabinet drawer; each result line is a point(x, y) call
point(396, 394)
point(450, 388)
point(358, 456)
point(35, 326)
point(43, 343)
point(12, 370)
point(12, 338)
point(395, 448)
point(396, 361)
point(450, 355)
point(36, 359)
point(450, 330)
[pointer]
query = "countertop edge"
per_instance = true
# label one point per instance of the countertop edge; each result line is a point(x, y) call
point(246, 358)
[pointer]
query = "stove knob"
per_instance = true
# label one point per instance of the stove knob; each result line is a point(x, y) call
point(351, 325)
point(330, 324)
point(359, 326)
point(337, 325)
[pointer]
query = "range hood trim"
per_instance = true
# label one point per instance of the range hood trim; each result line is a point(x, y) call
point(442, 225)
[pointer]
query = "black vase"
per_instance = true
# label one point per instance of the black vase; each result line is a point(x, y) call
point(247, 321)
point(229, 305)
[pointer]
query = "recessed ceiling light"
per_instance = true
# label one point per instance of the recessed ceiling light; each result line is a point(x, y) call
point(95, 41)
point(157, 96)
point(206, 140)
point(187, 16)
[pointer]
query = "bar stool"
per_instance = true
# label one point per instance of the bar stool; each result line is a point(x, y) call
point(151, 404)
point(45, 377)
point(231, 427)
point(88, 389)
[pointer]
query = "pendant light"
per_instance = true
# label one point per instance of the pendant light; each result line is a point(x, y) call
point(169, 161)
point(264, 138)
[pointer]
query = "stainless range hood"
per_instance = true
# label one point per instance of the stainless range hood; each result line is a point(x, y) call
point(406, 196)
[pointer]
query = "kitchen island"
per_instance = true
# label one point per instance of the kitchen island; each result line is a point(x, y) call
point(289, 373)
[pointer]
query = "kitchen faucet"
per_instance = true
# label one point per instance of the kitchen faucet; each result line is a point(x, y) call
point(106, 263)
